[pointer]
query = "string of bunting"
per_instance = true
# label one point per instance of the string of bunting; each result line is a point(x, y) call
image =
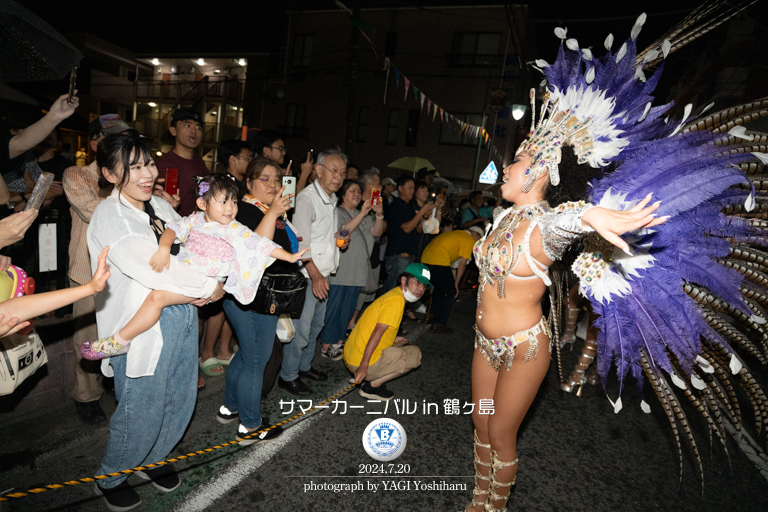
point(471, 130)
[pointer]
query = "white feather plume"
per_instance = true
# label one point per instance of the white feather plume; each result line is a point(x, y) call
point(590, 76)
point(542, 63)
point(741, 133)
point(622, 53)
point(735, 364)
point(651, 55)
point(586, 53)
point(762, 157)
point(561, 32)
point(666, 46)
point(572, 44)
point(608, 42)
point(639, 74)
point(645, 112)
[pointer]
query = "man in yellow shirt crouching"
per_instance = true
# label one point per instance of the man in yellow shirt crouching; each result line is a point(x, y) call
point(374, 352)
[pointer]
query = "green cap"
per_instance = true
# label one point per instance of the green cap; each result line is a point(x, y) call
point(420, 272)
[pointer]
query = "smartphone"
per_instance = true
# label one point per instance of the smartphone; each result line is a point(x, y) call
point(289, 182)
point(312, 155)
point(375, 196)
point(172, 181)
point(72, 82)
point(38, 193)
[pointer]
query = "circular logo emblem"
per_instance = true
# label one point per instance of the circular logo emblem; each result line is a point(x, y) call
point(384, 439)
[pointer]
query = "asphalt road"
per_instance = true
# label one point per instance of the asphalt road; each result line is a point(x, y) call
point(575, 453)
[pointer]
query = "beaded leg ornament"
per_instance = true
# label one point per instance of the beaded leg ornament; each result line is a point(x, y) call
point(496, 465)
point(477, 491)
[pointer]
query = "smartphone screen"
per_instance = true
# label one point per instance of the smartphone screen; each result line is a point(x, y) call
point(375, 196)
point(172, 181)
point(290, 188)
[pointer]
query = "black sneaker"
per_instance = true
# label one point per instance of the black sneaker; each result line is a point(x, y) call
point(267, 435)
point(163, 477)
point(90, 412)
point(372, 393)
point(120, 498)
point(225, 416)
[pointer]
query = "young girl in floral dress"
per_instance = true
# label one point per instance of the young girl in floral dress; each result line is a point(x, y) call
point(214, 244)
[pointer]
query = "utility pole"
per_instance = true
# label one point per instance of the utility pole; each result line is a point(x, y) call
point(354, 45)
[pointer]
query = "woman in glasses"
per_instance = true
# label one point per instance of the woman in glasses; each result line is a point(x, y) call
point(254, 367)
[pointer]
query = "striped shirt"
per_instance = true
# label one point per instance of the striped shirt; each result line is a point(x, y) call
point(81, 186)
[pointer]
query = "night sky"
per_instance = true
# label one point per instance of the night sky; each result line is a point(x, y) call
point(145, 26)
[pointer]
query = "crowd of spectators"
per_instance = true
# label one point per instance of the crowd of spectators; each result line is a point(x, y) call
point(375, 245)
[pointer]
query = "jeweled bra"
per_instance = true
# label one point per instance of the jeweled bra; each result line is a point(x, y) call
point(500, 256)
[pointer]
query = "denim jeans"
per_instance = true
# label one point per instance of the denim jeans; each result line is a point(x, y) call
point(395, 265)
point(245, 376)
point(342, 301)
point(298, 354)
point(153, 411)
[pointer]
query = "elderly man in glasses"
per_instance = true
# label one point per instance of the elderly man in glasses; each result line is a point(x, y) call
point(316, 222)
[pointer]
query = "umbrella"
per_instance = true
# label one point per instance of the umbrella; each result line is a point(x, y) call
point(411, 163)
point(442, 182)
point(32, 49)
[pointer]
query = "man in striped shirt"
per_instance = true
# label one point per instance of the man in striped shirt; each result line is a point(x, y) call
point(81, 186)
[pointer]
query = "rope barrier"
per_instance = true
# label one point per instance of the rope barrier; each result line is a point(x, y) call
point(71, 483)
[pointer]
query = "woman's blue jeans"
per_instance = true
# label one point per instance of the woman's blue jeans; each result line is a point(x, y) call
point(245, 375)
point(153, 411)
point(342, 301)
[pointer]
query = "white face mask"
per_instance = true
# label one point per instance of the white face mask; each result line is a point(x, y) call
point(409, 296)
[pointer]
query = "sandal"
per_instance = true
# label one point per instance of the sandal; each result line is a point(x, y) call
point(493, 497)
point(209, 364)
point(477, 491)
point(577, 377)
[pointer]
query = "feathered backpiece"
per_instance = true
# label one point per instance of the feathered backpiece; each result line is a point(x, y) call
point(693, 289)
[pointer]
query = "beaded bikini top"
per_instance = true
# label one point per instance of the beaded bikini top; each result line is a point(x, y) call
point(500, 257)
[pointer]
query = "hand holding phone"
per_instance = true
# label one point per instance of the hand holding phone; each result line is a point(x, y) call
point(172, 181)
point(375, 196)
point(289, 183)
point(72, 83)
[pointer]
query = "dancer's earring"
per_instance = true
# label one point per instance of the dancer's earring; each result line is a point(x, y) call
point(530, 182)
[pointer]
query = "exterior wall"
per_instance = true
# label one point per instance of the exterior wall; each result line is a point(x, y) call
point(425, 39)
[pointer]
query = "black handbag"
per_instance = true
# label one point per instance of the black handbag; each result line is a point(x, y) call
point(281, 292)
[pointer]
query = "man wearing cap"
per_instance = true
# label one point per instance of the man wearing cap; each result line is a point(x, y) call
point(187, 129)
point(440, 255)
point(81, 186)
point(374, 353)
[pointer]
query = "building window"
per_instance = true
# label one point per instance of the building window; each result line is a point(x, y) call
point(362, 124)
point(413, 127)
point(302, 50)
point(394, 126)
point(295, 120)
point(478, 49)
point(450, 132)
point(391, 48)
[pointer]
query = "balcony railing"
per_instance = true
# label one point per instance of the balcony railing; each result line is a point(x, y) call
point(212, 86)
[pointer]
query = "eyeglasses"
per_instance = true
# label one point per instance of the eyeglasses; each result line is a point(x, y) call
point(419, 284)
point(248, 158)
point(336, 173)
point(266, 180)
point(279, 148)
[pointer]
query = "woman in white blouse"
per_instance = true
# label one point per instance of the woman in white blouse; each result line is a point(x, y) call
point(155, 383)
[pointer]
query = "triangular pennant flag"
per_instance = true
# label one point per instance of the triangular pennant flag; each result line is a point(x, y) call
point(407, 86)
point(486, 138)
point(463, 127)
point(429, 105)
point(373, 46)
point(434, 112)
point(397, 77)
point(416, 93)
point(422, 100)
point(441, 115)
